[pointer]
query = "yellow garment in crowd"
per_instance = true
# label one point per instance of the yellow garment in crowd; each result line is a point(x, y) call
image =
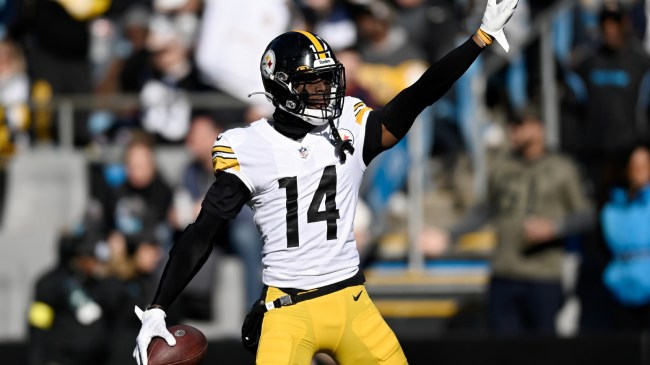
point(385, 81)
point(83, 10)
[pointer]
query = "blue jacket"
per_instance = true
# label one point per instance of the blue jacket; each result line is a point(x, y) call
point(626, 228)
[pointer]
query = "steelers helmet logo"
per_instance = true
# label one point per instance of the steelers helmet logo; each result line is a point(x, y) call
point(268, 63)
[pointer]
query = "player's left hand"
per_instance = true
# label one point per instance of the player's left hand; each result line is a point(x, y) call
point(495, 18)
point(153, 325)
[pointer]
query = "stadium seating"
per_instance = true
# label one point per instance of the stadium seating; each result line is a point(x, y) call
point(228, 301)
point(170, 161)
point(47, 191)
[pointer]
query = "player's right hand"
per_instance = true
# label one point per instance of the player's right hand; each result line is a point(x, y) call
point(153, 325)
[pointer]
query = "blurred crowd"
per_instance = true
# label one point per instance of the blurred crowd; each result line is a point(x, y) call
point(588, 196)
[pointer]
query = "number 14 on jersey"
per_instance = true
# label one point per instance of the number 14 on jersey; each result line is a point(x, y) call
point(326, 190)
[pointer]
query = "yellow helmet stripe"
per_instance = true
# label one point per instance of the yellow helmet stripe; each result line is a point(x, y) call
point(317, 44)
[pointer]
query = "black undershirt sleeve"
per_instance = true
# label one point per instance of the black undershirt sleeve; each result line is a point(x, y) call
point(399, 114)
point(372, 143)
point(222, 202)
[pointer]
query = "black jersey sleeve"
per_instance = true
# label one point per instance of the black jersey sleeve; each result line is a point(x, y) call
point(372, 143)
point(222, 202)
point(226, 196)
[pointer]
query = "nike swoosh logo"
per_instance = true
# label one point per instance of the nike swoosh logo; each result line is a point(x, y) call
point(219, 137)
point(356, 297)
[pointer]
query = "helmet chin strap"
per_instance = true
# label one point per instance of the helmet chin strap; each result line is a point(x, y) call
point(341, 146)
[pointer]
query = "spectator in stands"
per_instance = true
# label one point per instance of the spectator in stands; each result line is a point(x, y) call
point(74, 307)
point(8, 14)
point(624, 220)
point(166, 105)
point(610, 114)
point(612, 92)
point(135, 27)
point(422, 18)
point(57, 39)
point(138, 235)
point(197, 176)
point(124, 66)
point(351, 59)
point(535, 199)
point(230, 34)
point(585, 27)
point(332, 20)
point(137, 211)
point(390, 60)
point(14, 97)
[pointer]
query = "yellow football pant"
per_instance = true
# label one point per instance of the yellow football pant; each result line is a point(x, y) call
point(352, 331)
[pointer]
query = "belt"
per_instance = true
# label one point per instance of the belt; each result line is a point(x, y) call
point(295, 296)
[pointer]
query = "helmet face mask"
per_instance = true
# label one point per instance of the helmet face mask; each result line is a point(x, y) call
point(321, 93)
point(302, 76)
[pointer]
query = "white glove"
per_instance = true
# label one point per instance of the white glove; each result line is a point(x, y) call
point(153, 325)
point(495, 18)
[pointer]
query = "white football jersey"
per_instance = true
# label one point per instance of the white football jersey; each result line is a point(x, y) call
point(303, 196)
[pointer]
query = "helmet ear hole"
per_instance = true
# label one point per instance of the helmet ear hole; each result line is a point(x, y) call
point(291, 105)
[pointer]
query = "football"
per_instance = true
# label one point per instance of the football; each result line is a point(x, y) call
point(191, 347)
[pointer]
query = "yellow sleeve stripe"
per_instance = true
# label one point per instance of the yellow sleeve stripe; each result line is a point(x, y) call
point(358, 105)
point(363, 111)
point(41, 315)
point(225, 149)
point(360, 109)
point(223, 163)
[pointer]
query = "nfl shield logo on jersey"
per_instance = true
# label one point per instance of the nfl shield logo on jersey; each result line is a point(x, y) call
point(303, 151)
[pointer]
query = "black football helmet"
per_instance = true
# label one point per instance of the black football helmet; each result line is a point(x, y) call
point(302, 76)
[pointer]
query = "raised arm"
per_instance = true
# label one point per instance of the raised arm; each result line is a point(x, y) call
point(397, 117)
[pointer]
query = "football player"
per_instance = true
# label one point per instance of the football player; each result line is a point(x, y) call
point(300, 173)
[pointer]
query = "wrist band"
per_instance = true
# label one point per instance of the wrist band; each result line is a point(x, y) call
point(479, 40)
point(156, 306)
point(486, 38)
